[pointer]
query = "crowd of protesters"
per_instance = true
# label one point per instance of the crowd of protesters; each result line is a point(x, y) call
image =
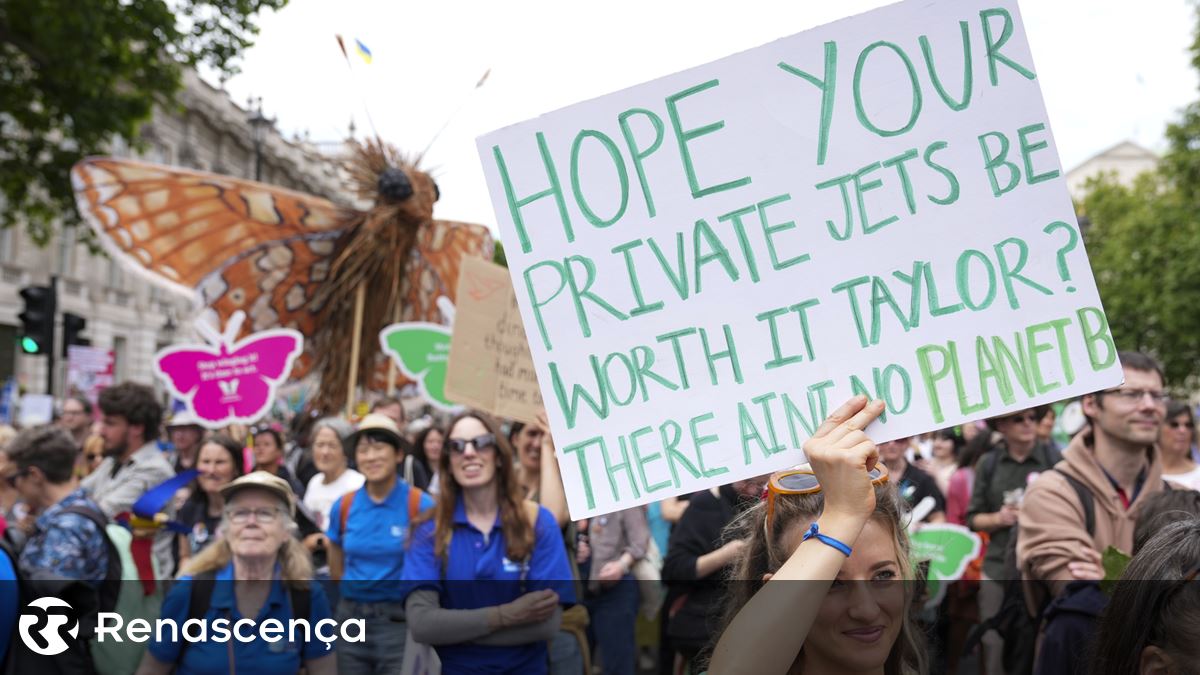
point(450, 541)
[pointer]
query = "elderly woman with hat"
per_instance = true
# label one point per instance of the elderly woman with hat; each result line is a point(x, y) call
point(258, 571)
point(367, 532)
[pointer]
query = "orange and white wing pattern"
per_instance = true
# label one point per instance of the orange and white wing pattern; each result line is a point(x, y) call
point(441, 247)
point(179, 226)
point(433, 272)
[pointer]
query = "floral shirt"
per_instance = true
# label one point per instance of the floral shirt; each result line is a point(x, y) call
point(66, 545)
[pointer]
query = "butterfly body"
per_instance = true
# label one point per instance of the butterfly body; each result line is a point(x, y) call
point(287, 259)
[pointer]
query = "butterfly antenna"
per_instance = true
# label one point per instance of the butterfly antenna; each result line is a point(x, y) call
point(204, 326)
point(447, 308)
point(234, 326)
point(465, 101)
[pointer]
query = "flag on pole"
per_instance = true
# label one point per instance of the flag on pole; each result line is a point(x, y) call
point(363, 51)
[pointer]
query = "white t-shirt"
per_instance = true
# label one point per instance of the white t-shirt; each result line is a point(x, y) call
point(320, 496)
point(1190, 480)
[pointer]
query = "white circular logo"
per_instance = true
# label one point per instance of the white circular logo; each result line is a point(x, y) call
point(44, 625)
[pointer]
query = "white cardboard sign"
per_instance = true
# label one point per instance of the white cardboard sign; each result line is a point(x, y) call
point(708, 263)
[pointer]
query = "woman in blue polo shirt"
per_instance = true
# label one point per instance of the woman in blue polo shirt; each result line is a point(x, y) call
point(257, 572)
point(367, 533)
point(487, 573)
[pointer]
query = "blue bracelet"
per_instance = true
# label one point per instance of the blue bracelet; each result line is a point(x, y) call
point(815, 533)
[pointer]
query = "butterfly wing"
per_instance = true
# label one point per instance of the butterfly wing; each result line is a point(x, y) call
point(421, 351)
point(441, 245)
point(433, 271)
point(272, 353)
point(180, 226)
point(179, 367)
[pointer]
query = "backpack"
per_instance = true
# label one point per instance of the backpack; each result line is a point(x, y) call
point(200, 599)
point(121, 593)
point(1024, 604)
point(86, 655)
point(414, 507)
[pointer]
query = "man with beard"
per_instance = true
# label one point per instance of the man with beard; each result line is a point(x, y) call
point(132, 464)
point(1116, 460)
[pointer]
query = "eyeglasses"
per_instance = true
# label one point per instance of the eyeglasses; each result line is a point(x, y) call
point(1022, 417)
point(803, 481)
point(483, 443)
point(1181, 425)
point(1136, 395)
point(242, 516)
point(12, 478)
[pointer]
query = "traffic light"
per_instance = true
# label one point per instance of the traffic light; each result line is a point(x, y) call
point(37, 321)
point(73, 325)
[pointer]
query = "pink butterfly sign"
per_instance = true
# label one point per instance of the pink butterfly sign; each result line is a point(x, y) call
point(226, 382)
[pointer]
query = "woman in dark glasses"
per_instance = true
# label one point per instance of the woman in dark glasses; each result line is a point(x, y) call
point(487, 571)
point(1178, 437)
point(825, 583)
point(1152, 623)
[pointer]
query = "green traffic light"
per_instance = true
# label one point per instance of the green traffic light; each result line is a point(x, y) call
point(29, 345)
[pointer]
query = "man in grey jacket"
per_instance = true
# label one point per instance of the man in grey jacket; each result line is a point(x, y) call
point(132, 463)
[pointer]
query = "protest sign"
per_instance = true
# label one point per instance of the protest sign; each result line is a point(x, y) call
point(420, 350)
point(948, 549)
point(89, 371)
point(710, 262)
point(226, 382)
point(490, 366)
point(36, 409)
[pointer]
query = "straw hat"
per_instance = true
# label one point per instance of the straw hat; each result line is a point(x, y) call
point(377, 424)
point(264, 481)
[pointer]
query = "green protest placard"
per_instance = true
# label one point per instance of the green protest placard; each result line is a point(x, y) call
point(709, 262)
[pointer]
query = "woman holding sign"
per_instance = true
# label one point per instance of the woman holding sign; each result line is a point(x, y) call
point(835, 533)
point(487, 573)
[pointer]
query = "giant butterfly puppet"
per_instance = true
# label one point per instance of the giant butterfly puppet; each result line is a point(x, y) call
point(285, 258)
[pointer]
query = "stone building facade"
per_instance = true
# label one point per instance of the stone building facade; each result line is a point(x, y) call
point(209, 132)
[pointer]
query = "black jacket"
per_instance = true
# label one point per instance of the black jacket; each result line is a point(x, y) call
point(693, 604)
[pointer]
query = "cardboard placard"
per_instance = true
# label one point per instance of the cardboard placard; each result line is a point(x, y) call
point(490, 365)
point(710, 262)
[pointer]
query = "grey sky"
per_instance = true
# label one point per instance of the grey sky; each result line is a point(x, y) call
point(1109, 70)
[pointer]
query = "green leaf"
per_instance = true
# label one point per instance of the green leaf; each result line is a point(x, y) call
point(421, 351)
point(1114, 562)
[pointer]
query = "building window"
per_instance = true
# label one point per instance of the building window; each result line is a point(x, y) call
point(7, 238)
point(120, 349)
point(8, 353)
point(115, 278)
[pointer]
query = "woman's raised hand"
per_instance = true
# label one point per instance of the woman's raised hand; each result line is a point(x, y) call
point(841, 456)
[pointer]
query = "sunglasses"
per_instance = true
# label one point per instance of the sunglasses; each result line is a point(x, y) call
point(1182, 425)
point(804, 482)
point(12, 479)
point(482, 444)
point(1023, 417)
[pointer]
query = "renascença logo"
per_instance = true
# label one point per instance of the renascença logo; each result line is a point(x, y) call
point(47, 622)
point(45, 625)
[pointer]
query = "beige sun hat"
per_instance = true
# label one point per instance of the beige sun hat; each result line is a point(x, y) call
point(261, 480)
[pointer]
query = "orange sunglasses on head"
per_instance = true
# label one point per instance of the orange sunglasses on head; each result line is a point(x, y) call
point(803, 481)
